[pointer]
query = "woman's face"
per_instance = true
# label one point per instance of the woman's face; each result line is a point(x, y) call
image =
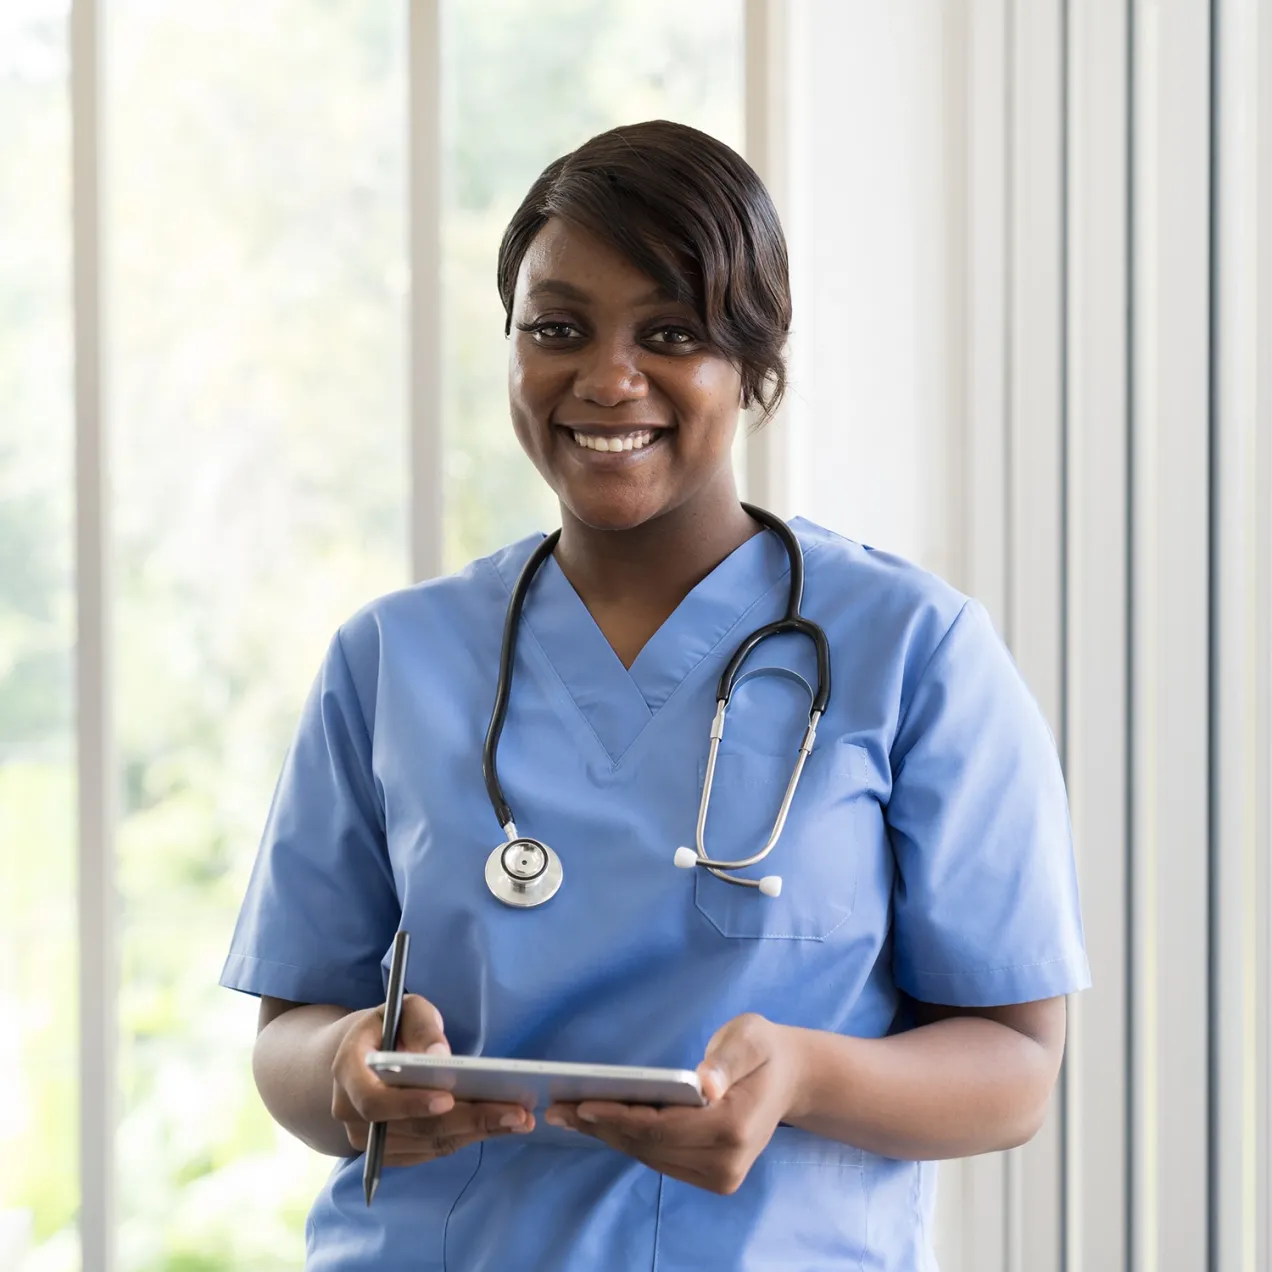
point(615, 395)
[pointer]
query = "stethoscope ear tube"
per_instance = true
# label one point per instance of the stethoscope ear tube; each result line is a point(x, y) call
point(770, 885)
point(803, 627)
point(794, 554)
point(507, 655)
point(792, 622)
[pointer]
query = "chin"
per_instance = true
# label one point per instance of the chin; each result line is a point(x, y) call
point(598, 512)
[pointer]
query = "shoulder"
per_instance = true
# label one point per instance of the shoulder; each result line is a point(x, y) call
point(899, 632)
point(461, 612)
point(450, 601)
point(861, 593)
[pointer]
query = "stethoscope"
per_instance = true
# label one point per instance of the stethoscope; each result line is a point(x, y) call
point(525, 872)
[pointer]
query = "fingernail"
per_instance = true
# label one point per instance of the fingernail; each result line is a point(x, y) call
point(512, 1119)
point(587, 1117)
point(439, 1104)
point(437, 1049)
point(716, 1079)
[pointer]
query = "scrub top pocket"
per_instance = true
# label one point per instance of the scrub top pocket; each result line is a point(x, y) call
point(816, 856)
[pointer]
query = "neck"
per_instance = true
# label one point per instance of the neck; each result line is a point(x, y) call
point(657, 564)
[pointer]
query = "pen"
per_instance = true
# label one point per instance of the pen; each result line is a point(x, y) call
point(374, 1161)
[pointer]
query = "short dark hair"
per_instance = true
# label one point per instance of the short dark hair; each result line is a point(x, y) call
point(692, 214)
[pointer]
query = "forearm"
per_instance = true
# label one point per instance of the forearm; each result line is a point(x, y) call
point(292, 1066)
point(954, 1088)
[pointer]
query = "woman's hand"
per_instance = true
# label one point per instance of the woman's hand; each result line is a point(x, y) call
point(750, 1076)
point(422, 1124)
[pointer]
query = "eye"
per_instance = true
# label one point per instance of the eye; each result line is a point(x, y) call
point(549, 332)
point(674, 336)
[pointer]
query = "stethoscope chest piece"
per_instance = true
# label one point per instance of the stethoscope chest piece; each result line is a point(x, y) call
point(523, 873)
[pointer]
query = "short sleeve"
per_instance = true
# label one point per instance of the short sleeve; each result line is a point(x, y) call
point(321, 908)
point(986, 899)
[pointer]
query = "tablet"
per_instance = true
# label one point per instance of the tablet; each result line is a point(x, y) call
point(532, 1083)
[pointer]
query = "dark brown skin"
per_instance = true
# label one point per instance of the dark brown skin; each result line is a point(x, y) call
point(607, 355)
point(594, 349)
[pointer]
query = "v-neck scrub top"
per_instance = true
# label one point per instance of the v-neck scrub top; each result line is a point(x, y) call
point(927, 853)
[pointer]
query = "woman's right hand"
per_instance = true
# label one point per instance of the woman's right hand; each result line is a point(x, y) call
point(422, 1124)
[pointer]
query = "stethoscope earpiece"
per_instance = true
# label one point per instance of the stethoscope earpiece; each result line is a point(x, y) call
point(770, 885)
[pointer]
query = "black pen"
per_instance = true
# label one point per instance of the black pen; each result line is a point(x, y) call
point(374, 1161)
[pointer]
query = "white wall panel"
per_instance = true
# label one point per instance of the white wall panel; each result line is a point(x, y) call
point(1096, 621)
point(1241, 682)
point(765, 455)
point(871, 359)
point(1170, 634)
point(984, 346)
point(1035, 465)
point(1060, 461)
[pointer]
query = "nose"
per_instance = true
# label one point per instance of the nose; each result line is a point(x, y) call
point(608, 374)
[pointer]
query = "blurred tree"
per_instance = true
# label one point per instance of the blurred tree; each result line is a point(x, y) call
point(35, 706)
point(38, 1188)
point(34, 387)
point(528, 82)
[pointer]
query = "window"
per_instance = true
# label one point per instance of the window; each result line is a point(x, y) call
point(256, 283)
point(523, 83)
point(38, 1131)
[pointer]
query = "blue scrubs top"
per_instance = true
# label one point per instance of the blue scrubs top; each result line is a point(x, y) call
point(927, 853)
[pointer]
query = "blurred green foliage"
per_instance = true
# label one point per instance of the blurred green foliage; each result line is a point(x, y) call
point(257, 282)
point(523, 83)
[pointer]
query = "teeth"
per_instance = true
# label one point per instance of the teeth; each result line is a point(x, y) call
point(630, 441)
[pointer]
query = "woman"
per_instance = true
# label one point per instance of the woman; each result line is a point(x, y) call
point(900, 1001)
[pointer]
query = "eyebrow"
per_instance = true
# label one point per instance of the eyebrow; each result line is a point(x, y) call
point(568, 291)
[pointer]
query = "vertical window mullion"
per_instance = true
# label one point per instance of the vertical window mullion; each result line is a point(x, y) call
point(98, 971)
point(424, 181)
point(1262, 1058)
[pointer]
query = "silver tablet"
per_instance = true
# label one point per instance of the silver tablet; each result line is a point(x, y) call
point(535, 1083)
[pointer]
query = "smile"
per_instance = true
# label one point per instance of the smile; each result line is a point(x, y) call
point(638, 439)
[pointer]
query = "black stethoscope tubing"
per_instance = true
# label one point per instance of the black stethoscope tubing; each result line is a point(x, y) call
point(792, 621)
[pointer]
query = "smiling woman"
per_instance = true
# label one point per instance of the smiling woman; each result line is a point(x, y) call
point(900, 1000)
point(644, 284)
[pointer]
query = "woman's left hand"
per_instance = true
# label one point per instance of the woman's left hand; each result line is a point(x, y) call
point(750, 1076)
